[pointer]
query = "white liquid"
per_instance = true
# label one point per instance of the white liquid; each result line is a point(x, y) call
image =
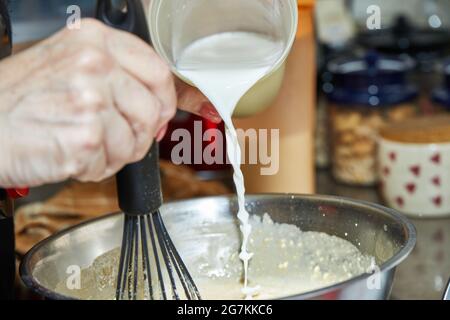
point(224, 67)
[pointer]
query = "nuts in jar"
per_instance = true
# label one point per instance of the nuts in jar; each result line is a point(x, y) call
point(365, 94)
point(354, 139)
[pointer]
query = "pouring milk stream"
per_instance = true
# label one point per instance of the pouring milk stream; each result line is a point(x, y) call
point(224, 67)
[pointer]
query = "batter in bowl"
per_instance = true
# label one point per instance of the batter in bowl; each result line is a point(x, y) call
point(287, 262)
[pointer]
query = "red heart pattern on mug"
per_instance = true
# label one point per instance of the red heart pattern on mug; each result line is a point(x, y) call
point(411, 188)
point(436, 181)
point(436, 158)
point(392, 156)
point(414, 179)
point(415, 170)
point(437, 201)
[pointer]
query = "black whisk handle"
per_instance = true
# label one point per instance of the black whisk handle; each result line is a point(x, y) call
point(139, 185)
point(127, 15)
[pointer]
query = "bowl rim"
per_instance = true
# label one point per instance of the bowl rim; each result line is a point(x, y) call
point(26, 274)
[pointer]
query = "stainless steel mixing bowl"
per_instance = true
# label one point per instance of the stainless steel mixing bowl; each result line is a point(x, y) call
point(378, 231)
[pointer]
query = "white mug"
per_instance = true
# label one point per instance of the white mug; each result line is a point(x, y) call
point(415, 178)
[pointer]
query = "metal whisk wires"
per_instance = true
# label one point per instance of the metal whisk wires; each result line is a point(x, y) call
point(150, 267)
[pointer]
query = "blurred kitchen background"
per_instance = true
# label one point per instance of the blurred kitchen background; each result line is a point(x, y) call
point(367, 84)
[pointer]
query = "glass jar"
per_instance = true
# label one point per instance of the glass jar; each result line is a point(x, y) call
point(441, 96)
point(322, 155)
point(426, 46)
point(364, 94)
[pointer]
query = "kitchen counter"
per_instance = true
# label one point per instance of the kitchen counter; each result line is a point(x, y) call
point(424, 274)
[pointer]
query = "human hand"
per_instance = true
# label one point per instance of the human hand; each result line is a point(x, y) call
point(81, 104)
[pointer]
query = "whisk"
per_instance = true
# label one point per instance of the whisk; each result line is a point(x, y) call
point(150, 267)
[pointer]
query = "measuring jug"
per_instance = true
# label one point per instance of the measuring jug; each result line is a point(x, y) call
point(175, 24)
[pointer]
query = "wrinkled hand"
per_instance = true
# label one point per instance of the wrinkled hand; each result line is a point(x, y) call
point(81, 105)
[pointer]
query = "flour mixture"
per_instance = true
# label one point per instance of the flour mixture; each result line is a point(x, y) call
point(287, 261)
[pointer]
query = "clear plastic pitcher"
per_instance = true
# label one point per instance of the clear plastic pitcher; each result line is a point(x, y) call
point(175, 24)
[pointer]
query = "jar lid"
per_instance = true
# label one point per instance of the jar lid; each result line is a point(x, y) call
point(373, 80)
point(442, 95)
point(429, 130)
point(404, 37)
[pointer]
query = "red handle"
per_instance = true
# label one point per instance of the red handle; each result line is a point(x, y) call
point(17, 193)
